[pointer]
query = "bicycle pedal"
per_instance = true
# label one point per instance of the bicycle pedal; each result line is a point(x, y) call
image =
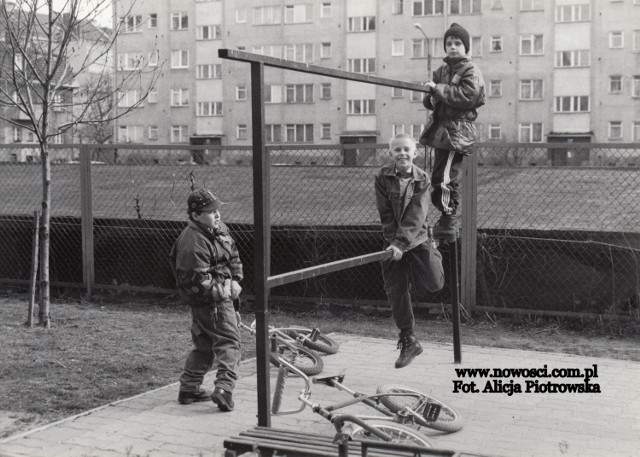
point(431, 412)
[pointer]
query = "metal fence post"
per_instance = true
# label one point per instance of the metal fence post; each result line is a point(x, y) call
point(262, 230)
point(469, 232)
point(86, 216)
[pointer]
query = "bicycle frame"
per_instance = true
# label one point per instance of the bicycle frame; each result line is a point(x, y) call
point(338, 420)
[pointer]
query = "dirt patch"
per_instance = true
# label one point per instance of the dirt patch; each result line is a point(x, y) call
point(106, 350)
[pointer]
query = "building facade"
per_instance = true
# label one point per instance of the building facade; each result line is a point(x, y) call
point(554, 70)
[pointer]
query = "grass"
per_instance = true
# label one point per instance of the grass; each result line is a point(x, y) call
point(117, 346)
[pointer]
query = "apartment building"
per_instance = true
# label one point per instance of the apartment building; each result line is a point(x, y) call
point(555, 70)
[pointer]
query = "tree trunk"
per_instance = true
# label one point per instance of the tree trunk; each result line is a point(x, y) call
point(45, 228)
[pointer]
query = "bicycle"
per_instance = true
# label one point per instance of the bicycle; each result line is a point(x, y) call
point(401, 406)
point(297, 345)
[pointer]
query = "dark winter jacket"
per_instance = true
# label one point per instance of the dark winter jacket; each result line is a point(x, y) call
point(201, 259)
point(456, 98)
point(403, 217)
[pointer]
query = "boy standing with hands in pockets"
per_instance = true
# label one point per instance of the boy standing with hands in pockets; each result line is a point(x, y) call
point(402, 199)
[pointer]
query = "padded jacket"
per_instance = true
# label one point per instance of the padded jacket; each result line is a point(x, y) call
point(201, 260)
point(456, 98)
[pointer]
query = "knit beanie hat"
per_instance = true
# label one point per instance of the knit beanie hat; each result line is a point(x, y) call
point(460, 32)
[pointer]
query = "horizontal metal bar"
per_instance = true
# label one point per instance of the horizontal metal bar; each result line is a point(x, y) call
point(306, 273)
point(243, 56)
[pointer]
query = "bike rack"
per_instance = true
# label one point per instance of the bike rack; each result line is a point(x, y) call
point(263, 281)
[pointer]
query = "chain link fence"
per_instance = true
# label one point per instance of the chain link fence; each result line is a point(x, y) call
point(558, 227)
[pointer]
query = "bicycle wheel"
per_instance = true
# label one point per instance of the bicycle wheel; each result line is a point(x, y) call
point(400, 434)
point(322, 343)
point(303, 359)
point(448, 420)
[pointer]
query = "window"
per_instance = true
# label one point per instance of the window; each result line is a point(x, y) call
point(17, 134)
point(530, 132)
point(209, 71)
point(475, 46)
point(573, 13)
point(179, 21)
point(299, 132)
point(495, 131)
point(397, 47)
point(495, 88)
point(397, 129)
point(241, 16)
point(325, 132)
point(616, 40)
point(419, 49)
point(126, 60)
point(130, 134)
point(297, 14)
point(397, 92)
point(153, 21)
point(241, 132)
point(325, 91)
point(417, 96)
point(241, 92)
point(361, 107)
point(273, 94)
point(152, 133)
point(208, 32)
point(496, 43)
point(615, 84)
point(325, 50)
point(298, 93)
point(273, 133)
point(361, 24)
point(531, 45)
point(128, 98)
point(580, 58)
point(396, 7)
point(416, 130)
point(205, 109)
point(179, 133)
point(154, 56)
point(267, 15)
point(361, 65)
point(464, 7)
point(531, 5)
point(636, 132)
point(572, 104)
point(130, 24)
point(179, 97)
point(325, 9)
point(179, 58)
point(635, 86)
point(299, 52)
point(428, 7)
point(615, 130)
point(531, 89)
point(636, 41)
point(152, 97)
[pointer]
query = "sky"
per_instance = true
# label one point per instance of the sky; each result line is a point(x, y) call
point(103, 19)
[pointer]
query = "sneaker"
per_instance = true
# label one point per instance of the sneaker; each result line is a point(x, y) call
point(409, 349)
point(446, 229)
point(222, 398)
point(186, 398)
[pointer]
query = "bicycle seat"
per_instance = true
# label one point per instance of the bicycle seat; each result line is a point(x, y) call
point(329, 379)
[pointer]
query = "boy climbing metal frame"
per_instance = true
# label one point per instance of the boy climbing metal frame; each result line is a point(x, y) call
point(263, 281)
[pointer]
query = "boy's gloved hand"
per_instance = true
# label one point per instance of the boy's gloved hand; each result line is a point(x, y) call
point(235, 289)
point(221, 291)
point(397, 253)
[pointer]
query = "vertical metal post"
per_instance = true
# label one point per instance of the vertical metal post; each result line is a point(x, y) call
point(469, 233)
point(262, 226)
point(455, 300)
point(86, 211)
point(35, 260)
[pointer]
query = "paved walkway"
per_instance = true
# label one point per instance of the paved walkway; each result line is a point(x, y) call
point(524, 424)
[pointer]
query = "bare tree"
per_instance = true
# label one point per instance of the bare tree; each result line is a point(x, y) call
point(43, 55)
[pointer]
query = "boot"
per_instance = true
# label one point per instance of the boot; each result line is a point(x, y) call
point(186, 398)
point(409, 349)
point(446, 229)
point(223, 399)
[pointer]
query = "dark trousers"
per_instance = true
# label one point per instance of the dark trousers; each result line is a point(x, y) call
point(420, 267)
point(444, 179)
point(215, 335)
